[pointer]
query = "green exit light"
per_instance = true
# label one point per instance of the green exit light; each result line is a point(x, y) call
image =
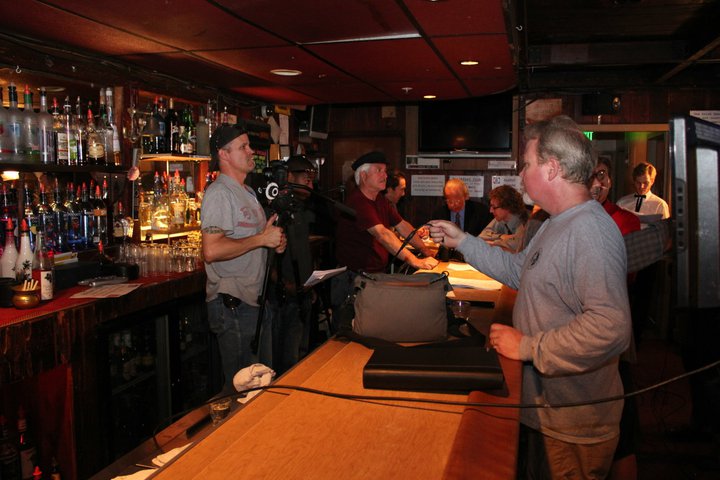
point(588, 134)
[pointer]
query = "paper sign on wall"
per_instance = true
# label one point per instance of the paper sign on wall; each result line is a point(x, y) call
point(427, 185)
point(512, 180)
point(475, 184)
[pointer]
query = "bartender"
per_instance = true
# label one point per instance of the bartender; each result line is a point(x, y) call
point(365, 243)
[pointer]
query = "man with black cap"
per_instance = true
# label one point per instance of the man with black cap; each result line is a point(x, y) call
point(365, 243)
point(235, 238)
point(290, 301)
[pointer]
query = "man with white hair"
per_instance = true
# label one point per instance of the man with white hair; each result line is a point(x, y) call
point(366, 242)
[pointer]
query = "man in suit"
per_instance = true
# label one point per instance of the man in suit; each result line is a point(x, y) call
point(470, 216)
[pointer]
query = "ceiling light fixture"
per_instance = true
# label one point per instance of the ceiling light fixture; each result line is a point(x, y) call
point(429, 97)
point(286, 72)
point(469, 62)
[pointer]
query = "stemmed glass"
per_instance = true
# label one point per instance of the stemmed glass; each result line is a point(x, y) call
point(461, 309)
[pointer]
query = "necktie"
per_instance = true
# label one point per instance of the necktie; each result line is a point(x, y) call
point(457, 220)
point(638, 201)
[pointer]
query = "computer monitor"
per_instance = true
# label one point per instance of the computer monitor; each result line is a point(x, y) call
point(694, 152)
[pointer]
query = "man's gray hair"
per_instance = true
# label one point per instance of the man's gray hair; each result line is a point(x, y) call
point(362, 168)
point(560, 137)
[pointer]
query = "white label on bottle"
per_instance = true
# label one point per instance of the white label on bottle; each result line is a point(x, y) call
point(47, 286)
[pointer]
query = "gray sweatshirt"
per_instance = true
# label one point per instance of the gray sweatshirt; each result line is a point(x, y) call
point(572, 308)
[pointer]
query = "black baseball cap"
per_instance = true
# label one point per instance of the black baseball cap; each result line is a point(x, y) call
point(371, 157)
point(300, 163)
point(223, 135)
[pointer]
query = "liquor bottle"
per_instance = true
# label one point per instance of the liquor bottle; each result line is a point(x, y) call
point(29, 216)
point(26, 447)
point(101, 127)
point(202, 136)
point(14, 125)
point(144, 210)
point(37, 474)
point(24, 261)
point(59, 137)
point(159, 120)
point(46, 266)
point(121, 226)
point(31, 129)
point(61, 220)
point(172, 128)
point(82, 146)
point(177, 201)
point(187, 143)
point(71, 131)
point(46, 220)
point(112, 129)
point(95, 142)
point(4, 133)
point(45, 131)
point(100, 218)
point(75, 240)
point(88, 228)
point(9, 455)
point(10, 253)
point(7, 208)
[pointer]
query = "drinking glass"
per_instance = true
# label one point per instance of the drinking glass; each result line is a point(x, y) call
point(461, 309)
point(219, 409)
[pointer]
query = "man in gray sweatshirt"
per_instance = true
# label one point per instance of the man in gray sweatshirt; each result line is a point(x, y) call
point(571, 319)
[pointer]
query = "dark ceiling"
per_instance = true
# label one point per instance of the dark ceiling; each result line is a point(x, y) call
point(360, 51)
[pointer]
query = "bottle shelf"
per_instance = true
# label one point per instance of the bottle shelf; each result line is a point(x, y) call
point(45, 167)
point(166, 157)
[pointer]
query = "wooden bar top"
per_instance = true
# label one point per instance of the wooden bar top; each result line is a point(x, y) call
point(291, 434)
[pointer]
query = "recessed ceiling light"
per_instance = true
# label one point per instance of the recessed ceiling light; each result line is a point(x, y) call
point(429, 97)
point(469, 62)
point(498, 68)
point(286, 72)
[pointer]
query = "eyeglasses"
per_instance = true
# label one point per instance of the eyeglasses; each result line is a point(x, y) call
point(600, 175)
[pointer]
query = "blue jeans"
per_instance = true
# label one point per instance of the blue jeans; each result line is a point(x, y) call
point(235, 331)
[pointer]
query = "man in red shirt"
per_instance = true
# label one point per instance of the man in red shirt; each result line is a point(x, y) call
point(366, 242)
point(600, 188)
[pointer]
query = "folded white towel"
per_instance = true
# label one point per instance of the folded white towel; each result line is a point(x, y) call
point(164, 458)
point(139, 475)
point(256, 375)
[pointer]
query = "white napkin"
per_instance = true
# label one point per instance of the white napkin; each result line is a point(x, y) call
point(164, 458)
point(139, 475)
point(256, 375)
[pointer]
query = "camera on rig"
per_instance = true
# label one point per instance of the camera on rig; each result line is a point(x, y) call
point(275, 192)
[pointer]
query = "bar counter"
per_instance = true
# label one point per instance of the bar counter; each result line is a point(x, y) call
point(54, 362)
point(293, 434)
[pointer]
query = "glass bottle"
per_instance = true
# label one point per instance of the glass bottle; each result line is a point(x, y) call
point(31, 129)
point(172, 128)
point(121, 226)
point(46, 220)
point(45, 131)
point(29, 216)
point(61, 220)
point(100, 218)
point(59, 136)
point(75, 240)
point(10, 253)
point(46, 266)
point(82, 146)
point(177, 201)
point(88, 228)
point(24, 261)
point(112, 129)
point(14, 125)
point(26, 447)
point(4, 133)
point(95, 142)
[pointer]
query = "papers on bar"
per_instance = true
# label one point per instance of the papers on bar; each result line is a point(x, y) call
point(489, 284)
point(108, 291)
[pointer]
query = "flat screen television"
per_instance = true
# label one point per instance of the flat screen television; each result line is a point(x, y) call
point(481, 124)
point(319, 121)
point(695, 156)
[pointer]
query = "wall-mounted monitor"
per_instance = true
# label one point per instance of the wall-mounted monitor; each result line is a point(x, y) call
point(319, 121)
point(695, 155)
point(481, 124)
